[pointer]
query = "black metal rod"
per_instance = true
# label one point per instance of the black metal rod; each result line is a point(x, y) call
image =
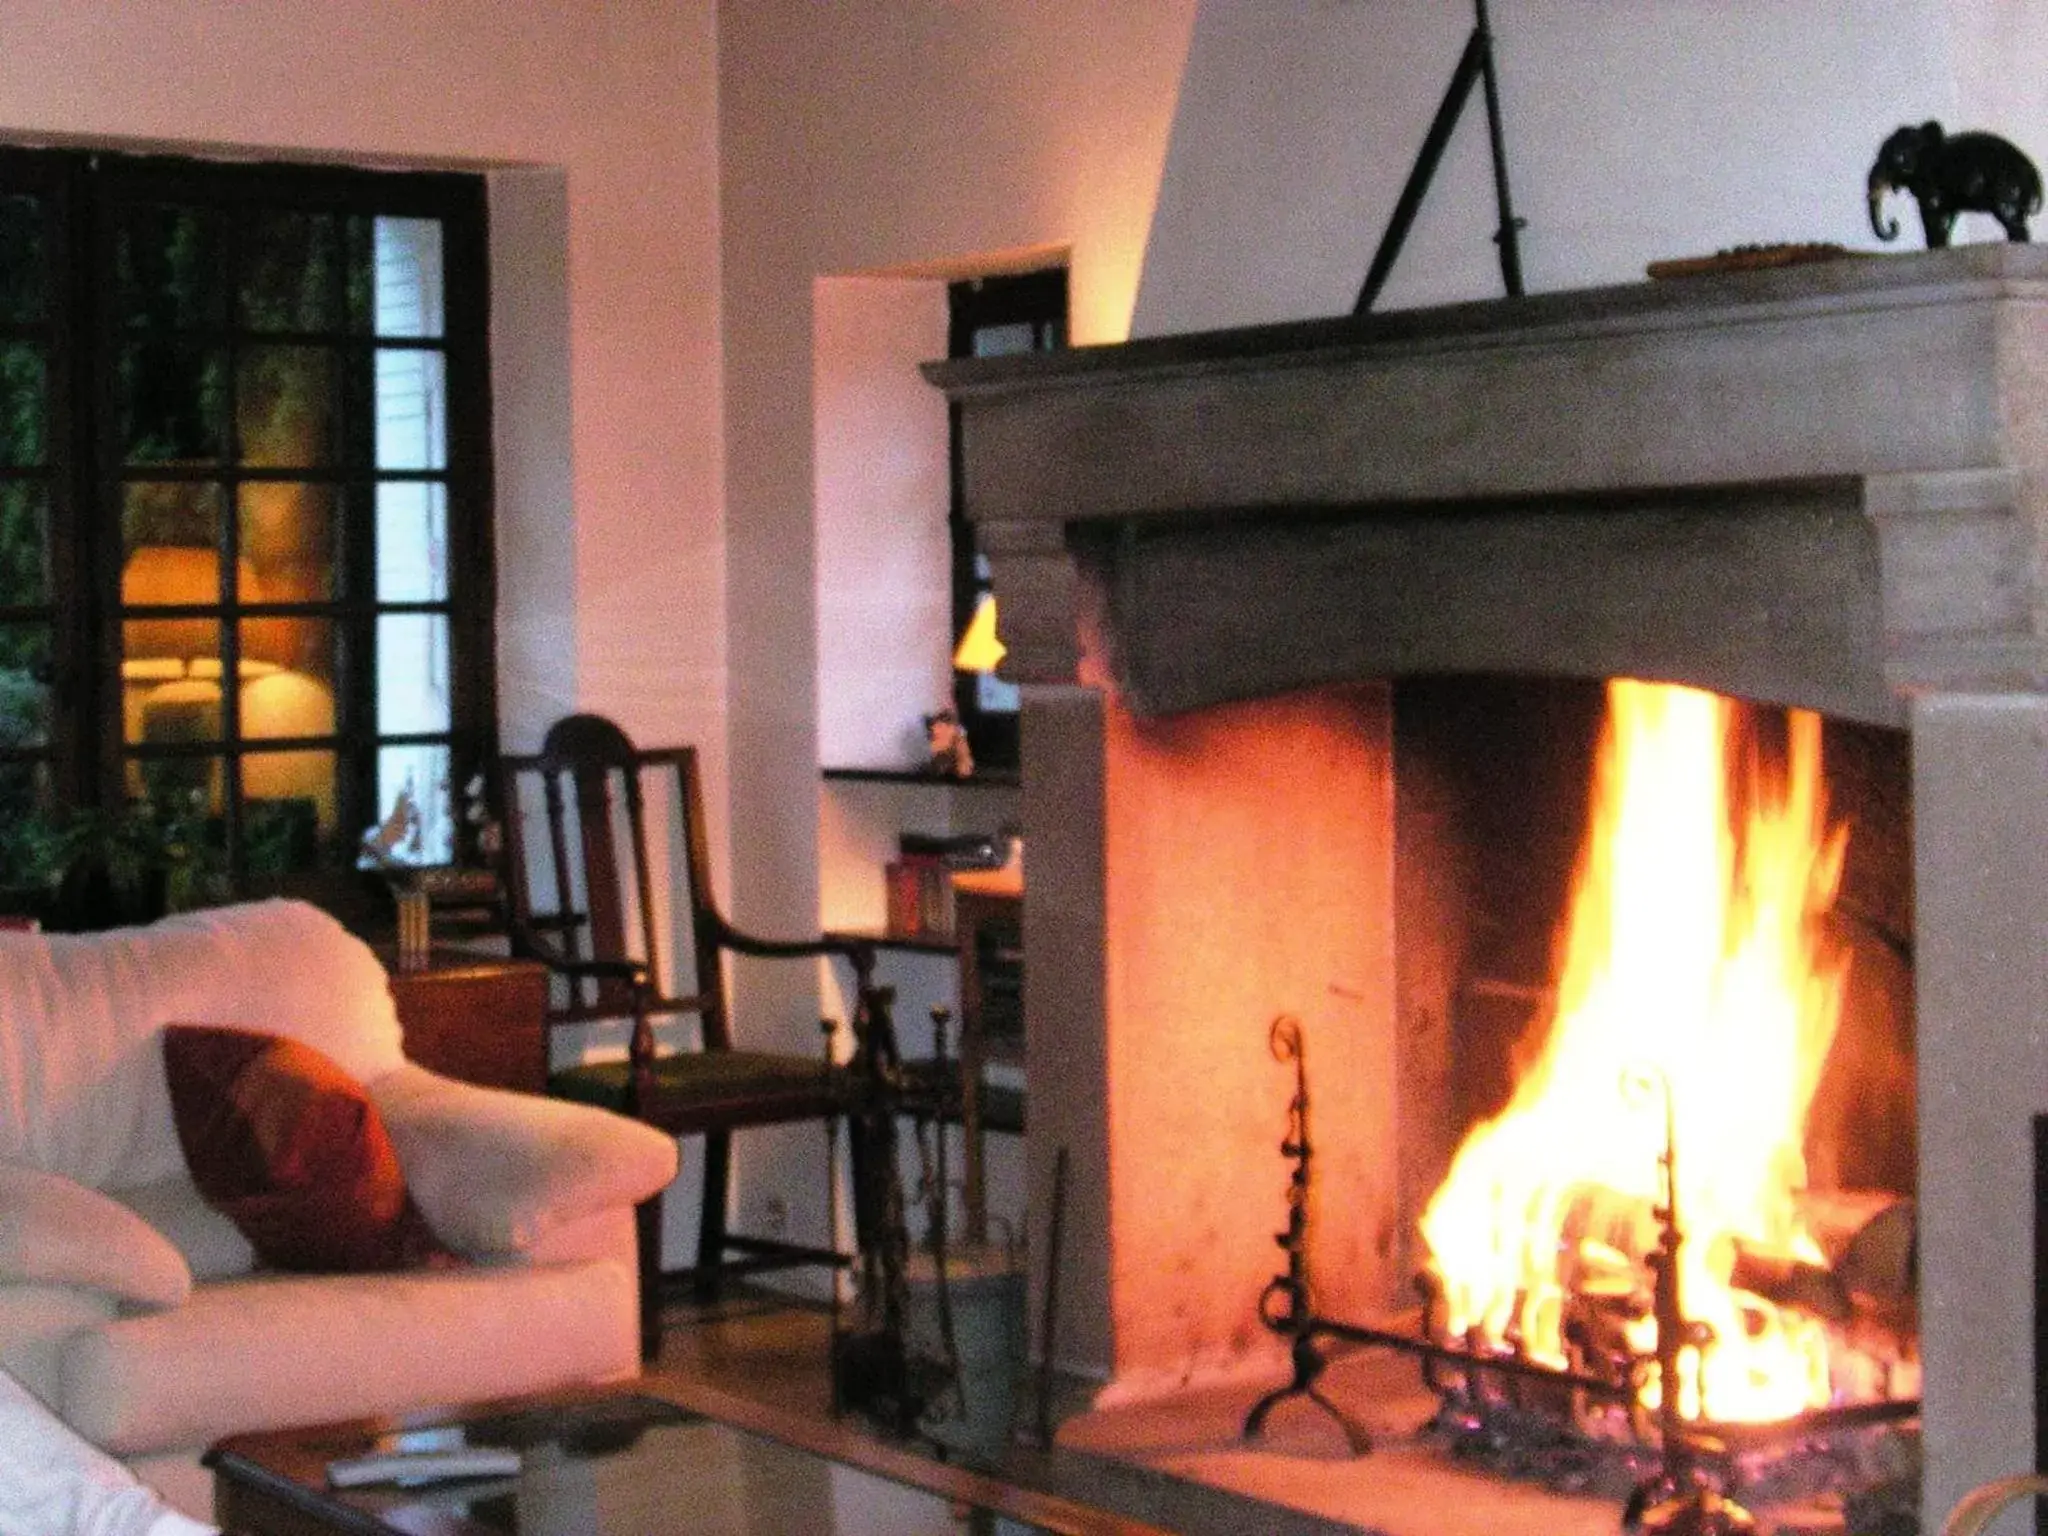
point(1475, 66)
point(1738, 1436)
point(1417, 186)
point(1447, 1354)
point(1507, 237)
point(1049, 1323)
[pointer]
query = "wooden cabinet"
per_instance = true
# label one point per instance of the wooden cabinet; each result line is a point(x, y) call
point(480, 1018)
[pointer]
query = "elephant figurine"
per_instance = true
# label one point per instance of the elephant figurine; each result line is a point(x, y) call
point(1950, 174)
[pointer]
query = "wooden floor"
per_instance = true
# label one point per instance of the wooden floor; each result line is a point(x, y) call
point(759, 1359)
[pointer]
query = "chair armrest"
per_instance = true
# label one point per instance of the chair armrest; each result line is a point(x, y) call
point(494, 1171)
point(528, 943)
point(55, 1231)
point(860, 952)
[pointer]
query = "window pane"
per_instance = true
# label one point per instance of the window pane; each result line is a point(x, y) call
point(289, 800)
point(412, 674)
point(288, 533)
point(407, 288)
point(159, 651)
point(412, 410)
point(173, 398)
point(167, 268)
point(1005, 340)
point(25, 414)
point(24, 685)
point(284, 406)
point(287, 678)
point(180, 711)
point(412, 793)
point(23, 260)
point(178, 513)
point(24, 794)
point(24, 543)
point(182, 789)
point(412, 542)
point(289, 271)
point(25, 801)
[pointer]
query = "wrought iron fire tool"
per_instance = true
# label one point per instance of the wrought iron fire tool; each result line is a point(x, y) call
point(1287, 1305)
point(939, 1208)
point(1684, 1498)
point(874, 1369)
point(1049, 1319)
point(1475, 66)
point(829, 1029)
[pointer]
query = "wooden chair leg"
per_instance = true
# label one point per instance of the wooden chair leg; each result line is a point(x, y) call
point(711, 1224)
point(647, 1225)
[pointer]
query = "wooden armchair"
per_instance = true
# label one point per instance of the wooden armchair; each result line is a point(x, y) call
point(582, 882)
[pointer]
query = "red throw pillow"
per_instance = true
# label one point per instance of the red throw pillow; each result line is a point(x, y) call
point(289, 1147)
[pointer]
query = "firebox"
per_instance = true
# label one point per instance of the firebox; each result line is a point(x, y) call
point(1240, 571)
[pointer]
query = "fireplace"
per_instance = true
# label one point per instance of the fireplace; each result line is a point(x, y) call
point(1221, 557)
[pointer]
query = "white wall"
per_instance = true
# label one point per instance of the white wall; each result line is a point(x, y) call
point(928, 138)
point(602, 121)
point(884, 556)
point(879, 136)
point(1634, 132)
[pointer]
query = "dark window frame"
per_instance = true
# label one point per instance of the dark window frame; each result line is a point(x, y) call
point(84, 470)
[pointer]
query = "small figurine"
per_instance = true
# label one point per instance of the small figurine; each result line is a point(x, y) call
point(946, 742)
point(1950, 174)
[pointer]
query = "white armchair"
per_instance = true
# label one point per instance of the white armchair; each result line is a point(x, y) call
point(139, 1314)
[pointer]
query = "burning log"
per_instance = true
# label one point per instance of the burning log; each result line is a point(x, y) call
point(1788, 1282)
point(1867, 1239)
point(1871, 1239)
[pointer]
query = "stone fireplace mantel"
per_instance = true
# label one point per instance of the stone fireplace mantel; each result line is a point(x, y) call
point(1815, 484)
point(1823, 485)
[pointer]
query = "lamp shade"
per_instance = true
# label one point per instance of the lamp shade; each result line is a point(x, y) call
point(160, 575)
point(979, 649)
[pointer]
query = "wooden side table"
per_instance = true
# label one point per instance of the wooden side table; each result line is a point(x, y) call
point(477, 1017)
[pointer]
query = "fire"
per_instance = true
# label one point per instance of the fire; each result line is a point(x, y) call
point(1691, 967)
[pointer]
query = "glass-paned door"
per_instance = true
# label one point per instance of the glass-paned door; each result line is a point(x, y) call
point(245, 573)
point(35, 743)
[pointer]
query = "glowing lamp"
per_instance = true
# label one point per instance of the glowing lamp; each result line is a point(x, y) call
point(979, 649)
point(279, 704)
point(161, 575)
point(282, 704)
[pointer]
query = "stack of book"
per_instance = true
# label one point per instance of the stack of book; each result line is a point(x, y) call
point(920, 882)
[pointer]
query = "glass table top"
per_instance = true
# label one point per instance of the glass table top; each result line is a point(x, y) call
point(639, 1466)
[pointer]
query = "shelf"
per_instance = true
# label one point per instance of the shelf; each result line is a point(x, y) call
point(989, 778)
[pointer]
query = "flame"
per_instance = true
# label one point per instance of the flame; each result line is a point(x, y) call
point(1691, 964)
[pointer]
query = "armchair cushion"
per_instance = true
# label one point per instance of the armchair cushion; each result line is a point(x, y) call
point(58, 1232)
point(495, 1172)
point(293, 1150)
point(81, 1074)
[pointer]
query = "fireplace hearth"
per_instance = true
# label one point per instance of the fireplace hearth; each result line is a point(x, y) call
point(1221, 556)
